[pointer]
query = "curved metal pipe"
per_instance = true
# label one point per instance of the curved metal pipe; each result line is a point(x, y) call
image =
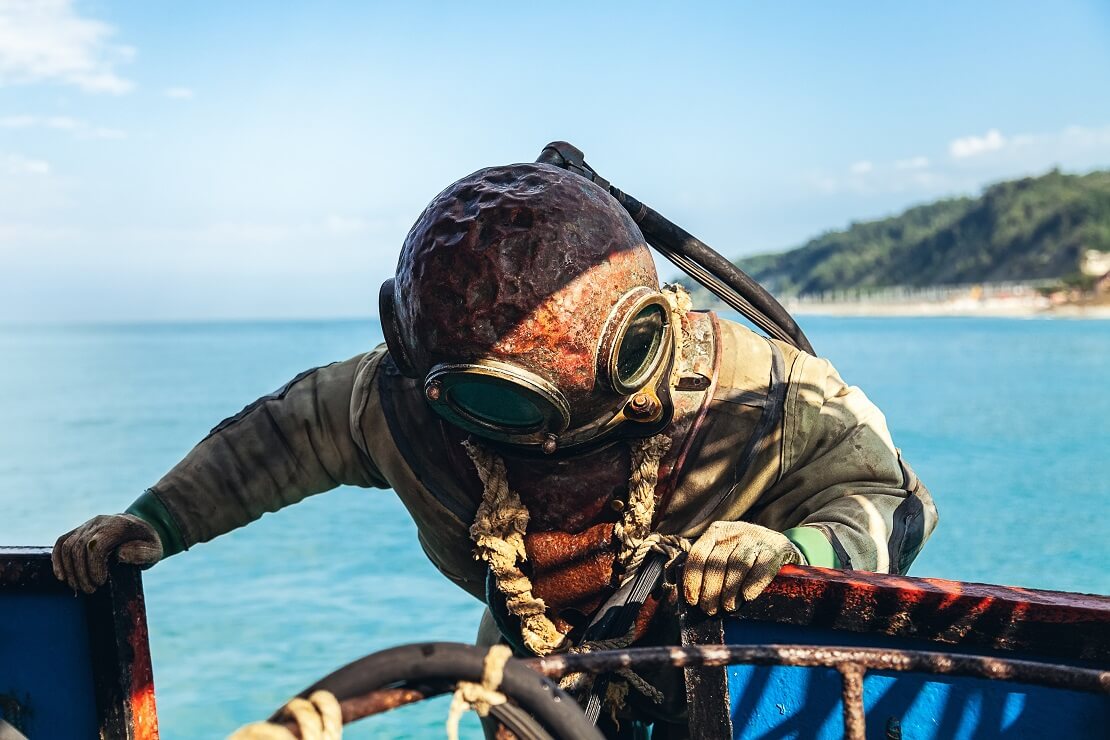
point(1090, 680)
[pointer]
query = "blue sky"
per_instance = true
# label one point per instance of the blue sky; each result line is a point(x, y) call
point(191, 160)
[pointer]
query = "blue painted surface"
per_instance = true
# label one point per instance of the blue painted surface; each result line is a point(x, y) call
point(45, 665)
point(786, 702)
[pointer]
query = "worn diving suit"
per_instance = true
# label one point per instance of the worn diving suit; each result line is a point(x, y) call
point(525, 278)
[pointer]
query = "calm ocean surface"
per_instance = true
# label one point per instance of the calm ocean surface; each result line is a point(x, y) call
point(1006, 421)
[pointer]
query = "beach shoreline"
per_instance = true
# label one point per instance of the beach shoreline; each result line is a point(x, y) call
point(961, 309)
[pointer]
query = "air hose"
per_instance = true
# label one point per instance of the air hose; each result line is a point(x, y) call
point(694, 257)
point(542, 710)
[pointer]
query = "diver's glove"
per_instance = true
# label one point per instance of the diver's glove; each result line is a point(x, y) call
point(734, 560)
point(81, 556)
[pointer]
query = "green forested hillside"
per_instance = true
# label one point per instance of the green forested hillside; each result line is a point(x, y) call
point(1034, 228)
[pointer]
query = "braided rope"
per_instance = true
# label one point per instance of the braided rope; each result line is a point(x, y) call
point(480, 696)
point(634, 530)
point(319, 717)
point(680, 304)
point(616, 695)
point(498, 533)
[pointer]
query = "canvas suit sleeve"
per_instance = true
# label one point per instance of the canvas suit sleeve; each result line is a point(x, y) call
point(293, 443)
point(843, 478)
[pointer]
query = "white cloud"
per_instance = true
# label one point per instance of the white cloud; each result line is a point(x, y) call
point(913, 163)
point(868, 177)
point(75, 127)
point(974, 161)
point(179, 93)
point(1075, 147)
point(972, 146)
point(17, 164)
point(104, 133)
point(48, 41)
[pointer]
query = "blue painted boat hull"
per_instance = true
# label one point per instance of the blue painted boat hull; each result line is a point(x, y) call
point(796, 702)
point(1064, 634)
point(72, 666)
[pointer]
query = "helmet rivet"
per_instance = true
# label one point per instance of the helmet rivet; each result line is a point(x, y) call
point(643, 407)
point(550, 444)
point(432, 391)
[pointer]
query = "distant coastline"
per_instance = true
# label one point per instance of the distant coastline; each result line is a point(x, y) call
point(1027, 248)
point(1000, 300)
point(1024, 307)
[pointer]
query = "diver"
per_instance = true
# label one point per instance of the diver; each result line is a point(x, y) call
point(552, 418)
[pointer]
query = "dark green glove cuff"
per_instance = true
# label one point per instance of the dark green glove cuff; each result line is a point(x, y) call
point(151, 510)
point(814, 546)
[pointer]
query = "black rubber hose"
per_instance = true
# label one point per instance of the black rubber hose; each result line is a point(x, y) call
point(671, 239)
point(556, 711)
point(520, 723)
point(693, 256)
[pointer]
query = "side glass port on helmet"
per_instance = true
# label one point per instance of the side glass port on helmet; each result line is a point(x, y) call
point(640, 346)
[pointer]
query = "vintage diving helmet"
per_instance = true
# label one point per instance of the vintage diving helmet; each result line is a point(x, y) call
point(527, 303)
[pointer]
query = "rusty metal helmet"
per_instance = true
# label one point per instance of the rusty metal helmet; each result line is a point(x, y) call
point(527, 302)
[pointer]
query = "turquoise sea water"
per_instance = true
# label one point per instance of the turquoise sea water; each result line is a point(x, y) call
point(1007, 422)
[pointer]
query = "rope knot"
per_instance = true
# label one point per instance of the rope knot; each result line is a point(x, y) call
point(482, 697)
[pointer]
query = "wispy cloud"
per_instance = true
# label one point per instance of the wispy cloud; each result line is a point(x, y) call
point(21, 235)
point(48, 41)
point(239, 234)
point(17, 164)
point(913, 163)
point(1063, 147)
point(73, 126)
point(223, 247)
point(179, 93)
point(870, 177)
point(972, 146)
point(971, 162)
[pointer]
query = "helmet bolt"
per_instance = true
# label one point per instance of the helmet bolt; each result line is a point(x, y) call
point(432, 390)
point(643, 406)
point(550, 444)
